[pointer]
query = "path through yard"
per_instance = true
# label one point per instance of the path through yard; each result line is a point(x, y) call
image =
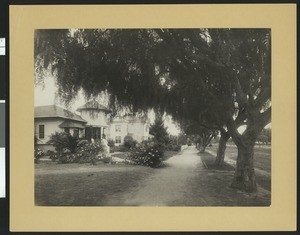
point(169, 184)
point(186, 182)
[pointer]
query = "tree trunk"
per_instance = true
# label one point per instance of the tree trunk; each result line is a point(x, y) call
point(221, 148)
point(202, 148)
point(244, 176)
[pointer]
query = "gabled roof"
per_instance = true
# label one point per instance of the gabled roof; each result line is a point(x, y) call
point(55, 111)
point(93, 105)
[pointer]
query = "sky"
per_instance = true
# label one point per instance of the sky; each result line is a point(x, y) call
point(45, 95)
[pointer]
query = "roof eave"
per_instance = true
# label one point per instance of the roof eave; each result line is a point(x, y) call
point(62, 117)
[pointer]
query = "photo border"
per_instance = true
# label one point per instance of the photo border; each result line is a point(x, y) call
point(281, 215)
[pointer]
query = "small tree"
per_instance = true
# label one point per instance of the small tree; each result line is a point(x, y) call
point(159, 131)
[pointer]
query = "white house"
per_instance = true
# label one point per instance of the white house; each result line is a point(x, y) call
point(50, 119)
point(92, 122)
point(96, 116)
point(136, 127)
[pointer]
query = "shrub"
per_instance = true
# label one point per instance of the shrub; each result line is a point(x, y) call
point(147, 154)
point(111, 143)
point(129, 142)
point(82, 143)
point(38, 153)
point(49, 153)
point(86, 153)
point(62, 140)
point(120, 148)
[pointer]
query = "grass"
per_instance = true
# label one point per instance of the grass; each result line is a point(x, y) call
point(262, 162)
point(211, 187)
point(262, 155)
point(84, 184)
point(209, 162)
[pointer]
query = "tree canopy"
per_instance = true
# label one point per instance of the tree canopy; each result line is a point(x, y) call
point(218, 77)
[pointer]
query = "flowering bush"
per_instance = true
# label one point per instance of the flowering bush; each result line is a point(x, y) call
point(86, 152)
point(38, 153)
point(146, 154)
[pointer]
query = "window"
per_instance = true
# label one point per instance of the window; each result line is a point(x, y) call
point(41, 131)
point(147, 128)
point(67, 130)
point(118, 140)
point(118, 128)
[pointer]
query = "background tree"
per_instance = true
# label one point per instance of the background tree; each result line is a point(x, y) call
point(265, 136)
point(159, 131)
point(199, 134)
point(222, 147)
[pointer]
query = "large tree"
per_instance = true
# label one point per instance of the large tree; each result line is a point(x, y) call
point(219, 76)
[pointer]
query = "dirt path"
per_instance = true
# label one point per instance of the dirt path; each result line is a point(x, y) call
point(168, 185)
point(186, 182)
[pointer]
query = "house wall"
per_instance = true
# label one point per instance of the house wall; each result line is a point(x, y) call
point(94, 117)
point(113, 133)
point(137, 130)
point(51, 126)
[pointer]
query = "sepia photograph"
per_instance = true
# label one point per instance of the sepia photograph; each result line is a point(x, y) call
point(152, 117)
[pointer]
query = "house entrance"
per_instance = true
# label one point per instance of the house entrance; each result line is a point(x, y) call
point(92, 132)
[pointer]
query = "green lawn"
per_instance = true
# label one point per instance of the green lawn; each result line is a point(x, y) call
point(262, 162)
point(262, 155)
point(84, 184)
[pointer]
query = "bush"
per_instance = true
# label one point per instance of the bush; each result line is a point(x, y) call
point(120, 148)
point(62, 140)
point(129, 142)
point(147, 154)
point(38, 153)
point(82, 143)
point(111, 143)
point(86, 153)
point(49, 153)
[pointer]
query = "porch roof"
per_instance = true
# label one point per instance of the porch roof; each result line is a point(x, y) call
point(72, 124)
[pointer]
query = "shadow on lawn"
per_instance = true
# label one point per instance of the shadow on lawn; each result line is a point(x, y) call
point(209, 162)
